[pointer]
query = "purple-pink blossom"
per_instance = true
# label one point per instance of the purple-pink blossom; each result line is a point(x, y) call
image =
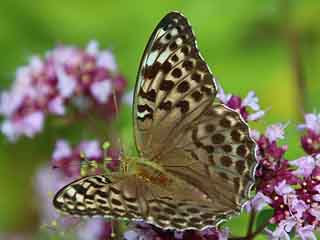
point(310, 141)
point(247, 107)
point(148, 231)
point(66, 168)
point(48, 85)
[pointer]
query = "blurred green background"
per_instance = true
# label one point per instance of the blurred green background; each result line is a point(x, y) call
point(269, 46)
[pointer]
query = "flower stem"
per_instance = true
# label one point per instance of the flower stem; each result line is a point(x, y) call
point(293, 42)
point(255, 233)
point(251, 222)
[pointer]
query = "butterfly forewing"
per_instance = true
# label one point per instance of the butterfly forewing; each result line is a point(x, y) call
point(174, 85)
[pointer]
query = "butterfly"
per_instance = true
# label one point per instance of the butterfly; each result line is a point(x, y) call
point(196, 158)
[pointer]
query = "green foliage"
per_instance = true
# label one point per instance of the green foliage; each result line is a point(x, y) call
point(263, 217)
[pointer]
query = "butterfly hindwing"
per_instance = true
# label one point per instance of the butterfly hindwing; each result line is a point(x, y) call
point(174, 85)
point(217, 156)
point(100, 196)
point(130, 198)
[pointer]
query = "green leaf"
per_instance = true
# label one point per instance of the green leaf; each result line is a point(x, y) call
point(263, 217)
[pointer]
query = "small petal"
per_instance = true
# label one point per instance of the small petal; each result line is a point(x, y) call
point(305, 166)
point(306, 233)
point(315, 212)
point(131, 235)
point(275, 132)
point(317, 188)
point(255, 134)
point(251, 100)
point(312, 122)
point(66, 83)
point(283, 188)
point(56, 106)
point(222, 96)
point(36, 64)
point(91, 149)
point(62, 150)
point(92, 230)
point(93, 48)
point(299, 207)
point(256, 115)
point(316, 197)
point(107, 60)
point(8, 129)
point(31, 124)
point(258, 202)
point(278, 234)
point(101, 90)
point(223, 234)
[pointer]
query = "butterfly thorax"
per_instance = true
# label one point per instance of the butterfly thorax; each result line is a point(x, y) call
point(148, 171)
point(152, 176)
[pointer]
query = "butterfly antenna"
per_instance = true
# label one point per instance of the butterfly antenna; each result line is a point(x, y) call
point(116, 106)
point(115, 102)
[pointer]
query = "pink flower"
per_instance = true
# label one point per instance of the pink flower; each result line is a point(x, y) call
point(56, 106)
point(62, 150)
point(298, 207)
point(275, 132)
point(49, 85)
point(311, 140)
point(283, 188)
point(104, 58)
point(305, 166)
point(91, 149)
point(30, 125)
point(312, 122)
point(249, 103)
point(66, 84)
point(306, 232)
point(148, 231)
point(258, 202)
point(48, 182)
point(95, 229)
point(101, 90)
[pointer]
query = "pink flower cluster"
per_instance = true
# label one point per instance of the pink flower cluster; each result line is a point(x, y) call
point(147, 231)
point(66, 168)
point(247, 107)
point(67, 160)
point(66, 75)
point(311, 140)
point(290, 188)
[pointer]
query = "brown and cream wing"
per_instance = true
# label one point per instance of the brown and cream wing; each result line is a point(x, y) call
point(174, 85)
point(134, 199)
point(217, 156)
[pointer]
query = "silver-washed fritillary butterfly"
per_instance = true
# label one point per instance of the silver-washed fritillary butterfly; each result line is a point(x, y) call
point(197, 160)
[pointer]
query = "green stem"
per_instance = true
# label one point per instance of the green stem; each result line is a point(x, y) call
point(251, 222)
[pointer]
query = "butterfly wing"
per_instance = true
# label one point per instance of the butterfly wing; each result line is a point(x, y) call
point(174, 86)
point(132, 198)
point(206, 146)
point(217, 156)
